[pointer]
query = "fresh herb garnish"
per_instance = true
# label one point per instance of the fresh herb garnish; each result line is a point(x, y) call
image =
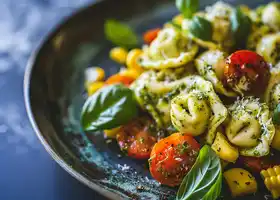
point(108, 108)
point(120, 34)
point(201, 28)
point(204, 181)
point(276, 115)
point(241, 25)
point(187, 7)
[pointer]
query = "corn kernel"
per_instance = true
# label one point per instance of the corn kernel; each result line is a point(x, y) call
point(277, 169)
point(275, 194)
point(271, 172)
point(118, 54)
point(264, 174)
point(271, 178)
point(94, 86)
point(130, 73)
point(112, 132)
point(132, 59)
point(268, 183)
point(93, 74)
point(178, 19)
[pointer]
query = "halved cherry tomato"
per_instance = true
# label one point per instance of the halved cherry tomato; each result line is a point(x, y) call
point(172, 158)
point(150, 35)
point(135, 138)
point(257, 164)
point(118, 78)
point(246, 71)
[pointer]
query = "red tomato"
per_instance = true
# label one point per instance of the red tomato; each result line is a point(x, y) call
point(117, 78)
point(150, 35)
point(135, 139)
point(172, 158)
point(246, 71)
point(257, 164)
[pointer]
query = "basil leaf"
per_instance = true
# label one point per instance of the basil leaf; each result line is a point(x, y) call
point(120, 34)
point(201, 28)
point(108, 108)
point(241, 25)
point(204, 181)
point(276, 115)
point(187, 7)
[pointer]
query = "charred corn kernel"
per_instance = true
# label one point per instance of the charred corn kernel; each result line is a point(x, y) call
point(271, 178)
point(240, 182)
point(118, 54)
point(130, 73)
point(93, 74)
point(132, 59)
point(94, 86)
point(112, 132)
point(178, 19)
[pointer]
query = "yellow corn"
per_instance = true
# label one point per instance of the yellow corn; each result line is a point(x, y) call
point(178, 19)
point(118, 54)
point(132, 59)
point(112, 132)
point(271, 178)
point(94, 86)
point(93, 74)
point(130, 73)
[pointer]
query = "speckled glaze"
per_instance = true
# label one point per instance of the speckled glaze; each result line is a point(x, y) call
point(54, 95)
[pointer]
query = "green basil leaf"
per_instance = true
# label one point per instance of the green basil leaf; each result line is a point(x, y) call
point(201, 28)
point(241, 25)
point(108, 108)
point(187, 7)
point(204, 181)
point(276, 115)
point(120, 34)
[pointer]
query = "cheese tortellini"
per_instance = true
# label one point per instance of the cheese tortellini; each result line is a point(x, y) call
point(210, 65)
point(169, 50)
point(269, 48)
point(256, 35)
point(271, 15)
point(154, 91)
point(188, 101)
point(272, 99)
point(198, 109)
point(250, 127)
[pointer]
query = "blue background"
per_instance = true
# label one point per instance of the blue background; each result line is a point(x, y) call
point(27, 172)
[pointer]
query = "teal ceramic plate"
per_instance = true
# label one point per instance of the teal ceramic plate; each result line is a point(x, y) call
point(54, 95)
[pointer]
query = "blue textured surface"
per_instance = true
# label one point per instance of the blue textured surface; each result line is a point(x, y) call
point(26, 170)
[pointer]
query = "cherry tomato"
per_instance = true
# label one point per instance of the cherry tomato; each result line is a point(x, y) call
point(117, 78)
point(172, 158)
point(246, 71)
point(257, 164)
point(150, 35)
point(135, 139)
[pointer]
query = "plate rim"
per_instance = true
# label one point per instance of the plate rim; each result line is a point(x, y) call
point(26, 94)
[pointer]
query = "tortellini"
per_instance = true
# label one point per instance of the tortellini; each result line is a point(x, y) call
point(269, 48)
point(250, 127)
point(271, 15)
point(168, 95)
point(272, 93)
point(256, 35)
point(198, 109)
point(272, 99)
point(154, 91)
point(210, 65)
point(169, 50)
